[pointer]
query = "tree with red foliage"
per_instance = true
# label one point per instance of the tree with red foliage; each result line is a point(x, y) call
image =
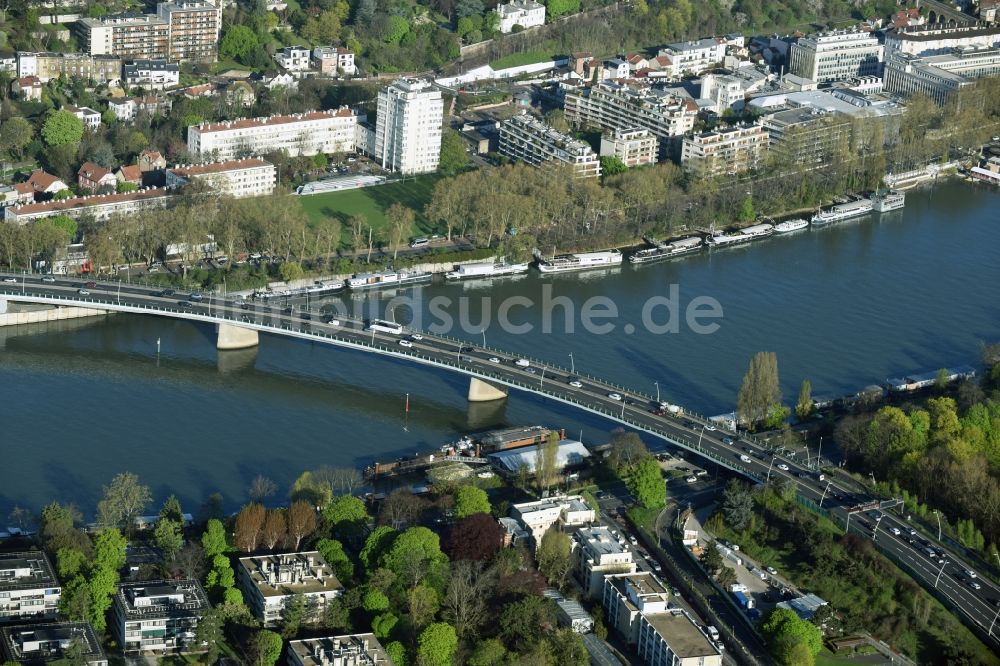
point(475, 537)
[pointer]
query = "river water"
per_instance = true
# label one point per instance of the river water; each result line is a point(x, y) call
point(844, 306)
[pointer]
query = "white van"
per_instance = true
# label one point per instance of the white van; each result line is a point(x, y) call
point(522, 363)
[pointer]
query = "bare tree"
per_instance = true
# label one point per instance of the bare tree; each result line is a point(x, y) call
point(399, 508)
point(249, 524)
point(346, 479)
point(261, 488)
point(301, 522)
point(190, 560)
point(275, 529)
point(465, 597)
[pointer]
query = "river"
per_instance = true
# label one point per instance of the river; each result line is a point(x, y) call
point(843, 306)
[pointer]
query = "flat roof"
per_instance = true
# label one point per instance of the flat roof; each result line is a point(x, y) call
point(568, 453)
point(358, 649)
point(599, 540)
point(194, 599)
point(41, 573)
point(13, 637)
point(283, 574)
point(680, 633)
point(270, 121)
point(219, 167)
point(92, 200)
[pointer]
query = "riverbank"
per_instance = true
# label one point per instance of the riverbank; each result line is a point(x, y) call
point(20, 314)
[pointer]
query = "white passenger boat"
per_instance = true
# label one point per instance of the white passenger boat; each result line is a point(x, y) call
point(883, 202)
point(842, 212)
point(666, 250)
point(579, 262)
point(386, 279)
point(790, 226)
point(485, 270)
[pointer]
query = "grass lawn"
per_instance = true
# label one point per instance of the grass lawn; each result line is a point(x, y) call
point(827, 658)
point(526, 58)
point(372, 202)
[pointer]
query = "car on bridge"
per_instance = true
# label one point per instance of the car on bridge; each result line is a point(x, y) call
point(196, 297)
point(783, 467)
point(615, 396)
point(493, 359)
point(745, 458)
point(575, 383)
point(83, 292)
point(522, 363)
point(709, 427)
point(48, 278)
point(416, 337)
point(10, 279)
point(405, 343)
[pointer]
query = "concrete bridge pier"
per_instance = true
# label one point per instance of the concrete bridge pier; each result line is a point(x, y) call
point(480, 391)
point(235, 337)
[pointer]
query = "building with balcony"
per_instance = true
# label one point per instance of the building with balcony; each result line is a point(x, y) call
point(626, 596)
point(157, 616)
point(634, 147)
point(939, 39)
point(270, 581)
point(596, 554)
point(525, 13)
point(630, 105)
point(939, 76)
point(694, 56)
point(528, 140)
point(34, 644)
point(836, 56)
point(98, 206)
point(724, 151)
point(560, 511)
point(334, 60)
point(672, 638)
point(407, 135)
point(250, 177)
point(47, 66)
point(293, 58)
point(806, 136)
point(142, 36)
point(328, 132)
point(91, 119)
point(194, 27)
point(151, 74)
point(349, 650)
point(28, 585)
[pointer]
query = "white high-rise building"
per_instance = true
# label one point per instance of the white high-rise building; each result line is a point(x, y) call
point(408, 127)
point(836, 56)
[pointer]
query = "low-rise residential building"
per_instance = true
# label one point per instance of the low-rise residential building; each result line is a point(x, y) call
point(47, 66)
point(19, 193)
point(347, 650)
point(27, 87)
point(28, 585)
point(837, 56)
point(570, 614)
point(673, 638)
point(629, 595)
point(128, 109)
point(293, 58)
point(628, 105)
point(561, 511)
point(42, 182)
point(91, 119)
point(724, 151)
point(596, 553)
point(989, 11)
point(43, 643)
point(634, 147)
point(151, 74)
point(158, 615)
point(694, 56)
point(270, 581)
point(250, 177)
point(525, 13)
point(615, 68)
point(151, 160)
point(98, 206)
point(93, 177)
point(940, 76)
point(332, 131)
point(938, 39)
point(334, 60)
point(526, 139)
point(129, 173)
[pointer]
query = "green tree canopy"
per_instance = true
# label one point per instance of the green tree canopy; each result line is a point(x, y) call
point(785, 632)
point(437, 644)
point(470, 500)
point(647, 485)
point(15, 135)
point(346, 512)
point(214, 539)
point(453, 156)
point(62, 128)
point(333, 552)
point(554, 556)
point(557, 8)
point(804, 405)
point(396, 29)
point(612, 166)
point(238, 42)
point(761, 390)
point(267, 648)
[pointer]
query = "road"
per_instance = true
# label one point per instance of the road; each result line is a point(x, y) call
point(978, 607)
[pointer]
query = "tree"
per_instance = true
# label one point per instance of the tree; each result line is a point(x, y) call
point(400, 221)
point(804, 405)
point(554, 556)
point(453, 156)
point(786, 634)
point(557, 8)
point(62, 128)
point(214, 538)
point(522, 622)
point(376, 546)
point(375, 601)
point(238, 42)
point(747, 212)
point(294, 614)
point(249, 524)
point(625, 451)
point(489, 652)
point(291, 271)
point(124, 500)
point(546, 466)
point(15, 135)
point(382, 625)
point(346, 513)
point(333, 552)
point(209, 633)
point(612, 166)
point(737, 505)
point(397, 653)
point(476, 537)
point(437, 644)
point(301, 522)
point(711, 559)
point(647, 485)
point(168, 537)
point(413, 554)
point(266, 648)
point(467, 595)
point(261, 488)
point(470, 500)
point(275, 529)
point(400, 508)
point(422, 602)
point(396, 28)
point(568, 648)
point(761, 390)
point(345, 479)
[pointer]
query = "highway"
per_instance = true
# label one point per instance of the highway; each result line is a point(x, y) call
point(979, 608)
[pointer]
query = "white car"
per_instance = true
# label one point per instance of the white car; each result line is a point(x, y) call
point(691, 479)
point(895, 531)
point(970, 573)
point(494, 359)
point(974, 585)
point(83, 292)
point(772, 571)
point(48, 278)
point(10, 279)
point(783, 467)
point(405, 343)
point(745, 458)
point(576, 384)
point(522, 363)
point(417, 337)
point(709, 427)
point(615, 396)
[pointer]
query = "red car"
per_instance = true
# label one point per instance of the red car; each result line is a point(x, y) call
point(90, 285)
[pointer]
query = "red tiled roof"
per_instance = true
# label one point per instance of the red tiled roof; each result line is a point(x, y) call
point(29, 82)
point(219, 167)
point(247, 123)
point(131, 172)
point(93, 172)
point(95, 200)
point(24, 188)
point(153, 155)
point(41, 180)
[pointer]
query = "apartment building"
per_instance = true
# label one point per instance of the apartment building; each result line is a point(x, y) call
point(628, 105)
point(43, 643)
point(806, 136)
point(308, 133)
point(673, 639)
point(158, 615)
point(408, 127)
point(141, 36)
point(724, 91)
point(939, 76)
point(595, 554)
point(251, 177)
point(529, 140)
point(293, 58)
point(560, 511)
point(128, 109)
point(348, 650)
point(626, 596)
point(724, 151)
point(98, 206)
point(634, 147)
point(28, 585)
point(939, 39)
point(194, 27)
point(91, 119)
point(269, 581)
point(525, 13)
point(694, 56)
point(836, 56)
point(151, 74)
point(47, 66)
point(333, 60)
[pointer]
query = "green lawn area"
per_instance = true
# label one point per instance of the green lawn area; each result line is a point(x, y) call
point(827, 658)
point(372, 202)
point(526, 58)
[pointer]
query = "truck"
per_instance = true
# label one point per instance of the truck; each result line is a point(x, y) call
point(745, 602)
